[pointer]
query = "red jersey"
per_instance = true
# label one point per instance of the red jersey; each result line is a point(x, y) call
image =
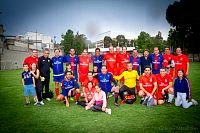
point(89, 93)
point(94, 82)
point(84, 62)
point(181, 63)
point(30, 60)
point(111, 62)
point(166, 59)
point(148, 82)
point(122, 60)
point(162, 83)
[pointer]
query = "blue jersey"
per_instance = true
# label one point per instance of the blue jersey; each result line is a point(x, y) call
point(69, 84)
point(105, 81)
point(27, 76)
point(136, 63)
point(182, 86)
point(74, 64)
point(156, 63)
point(57, 63)
point(97, 61)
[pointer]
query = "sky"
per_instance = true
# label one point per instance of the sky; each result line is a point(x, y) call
point(89, 17)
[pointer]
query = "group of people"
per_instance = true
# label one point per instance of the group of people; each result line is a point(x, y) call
point(156, 76)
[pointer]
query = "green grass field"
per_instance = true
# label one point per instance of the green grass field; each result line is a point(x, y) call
point(55, 117)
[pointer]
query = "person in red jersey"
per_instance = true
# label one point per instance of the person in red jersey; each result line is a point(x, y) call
point(165, 90)
point(122, 59)
point(148, 85)
point(31, 59)
point(89, 78)
point(181, 62)
point(111, 61)
point(84, 63)
point(88, 94)
point(168, 61)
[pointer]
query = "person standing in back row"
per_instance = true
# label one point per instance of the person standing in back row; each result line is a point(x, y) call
point(44, 64)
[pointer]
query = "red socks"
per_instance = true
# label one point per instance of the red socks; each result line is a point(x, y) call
point(77, 95)
point(57, 91)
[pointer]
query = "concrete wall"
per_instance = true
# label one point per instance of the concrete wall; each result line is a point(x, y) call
point(13, 59)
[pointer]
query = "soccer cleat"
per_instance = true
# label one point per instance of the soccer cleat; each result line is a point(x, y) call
point(194, 102)
point(122, 102)
point(41, 102)
point(116, 104)
point(48, 99)
point(108, 111)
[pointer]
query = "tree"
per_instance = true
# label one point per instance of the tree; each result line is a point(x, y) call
point(67, 40)
point(185, 18)
point(121, 40)
point(107, 41)
point(78, 42)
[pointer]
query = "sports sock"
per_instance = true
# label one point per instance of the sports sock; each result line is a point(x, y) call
point(170, 98)
point(57, 91)
point(116, 97)
point(77, 95)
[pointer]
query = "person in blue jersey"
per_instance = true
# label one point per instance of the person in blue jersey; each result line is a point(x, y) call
point(69, 85)
point(145, 60)
point(58, 72)
point(105, 82)
point(135, 60)
point(28, 83)
point(182, 91)
point(97, 59)
point(157, 60)
point(73, 60)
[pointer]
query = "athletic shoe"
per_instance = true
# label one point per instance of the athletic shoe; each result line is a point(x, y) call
point(26, 104)
point(116, 104)
point(108, 111)
point(194, 102)
point(37, 104)
point(48, 99)
point(141, 101)
point(76, 102)
point(111, 95)
point(122, 102)
point(41, 102)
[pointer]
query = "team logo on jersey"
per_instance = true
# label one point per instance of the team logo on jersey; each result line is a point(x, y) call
point(165, 80)
point(150, 79)
point(87, 60)
point(48, 60)
point(181, 59)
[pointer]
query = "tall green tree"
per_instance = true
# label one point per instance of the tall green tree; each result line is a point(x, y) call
point(67, 40)
point(107, 41)
point(184, 17)
point(121, 40)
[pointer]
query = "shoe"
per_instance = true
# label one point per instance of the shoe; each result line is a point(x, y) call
point(26, 104)
point(116, 104)
point(41, 102)
point(76, 102)
point(37, 104)
point(48, 99)
point(122, 102)
point(108, 111)
point(141, 101)
point(194, 102)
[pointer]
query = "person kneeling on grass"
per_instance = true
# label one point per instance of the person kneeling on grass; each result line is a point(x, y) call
point(130, 77)
point(98, 102)
point(28, 82)
point(68, 85)
point(182, 91)
point(88, 94)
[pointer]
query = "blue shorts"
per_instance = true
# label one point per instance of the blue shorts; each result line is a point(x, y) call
point(29, 89)
point(65, 92)
point(106, 90)
point(58, 78)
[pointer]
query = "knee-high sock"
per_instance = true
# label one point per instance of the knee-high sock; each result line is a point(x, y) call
point(77, 95)
point(170, 98)
point(57, 91)
point(116, 97)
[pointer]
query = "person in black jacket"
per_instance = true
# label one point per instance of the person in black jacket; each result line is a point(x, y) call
point(44, 64)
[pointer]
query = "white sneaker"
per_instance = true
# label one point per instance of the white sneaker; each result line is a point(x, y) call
point(35, 103)
point(108, 111)
point(48, 99)
point(41, 102)
point(194, 102)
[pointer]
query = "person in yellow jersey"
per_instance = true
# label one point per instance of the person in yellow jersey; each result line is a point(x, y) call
point(130, 77)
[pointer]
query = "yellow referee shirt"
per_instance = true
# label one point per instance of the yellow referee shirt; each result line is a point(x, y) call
point(129, 78)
